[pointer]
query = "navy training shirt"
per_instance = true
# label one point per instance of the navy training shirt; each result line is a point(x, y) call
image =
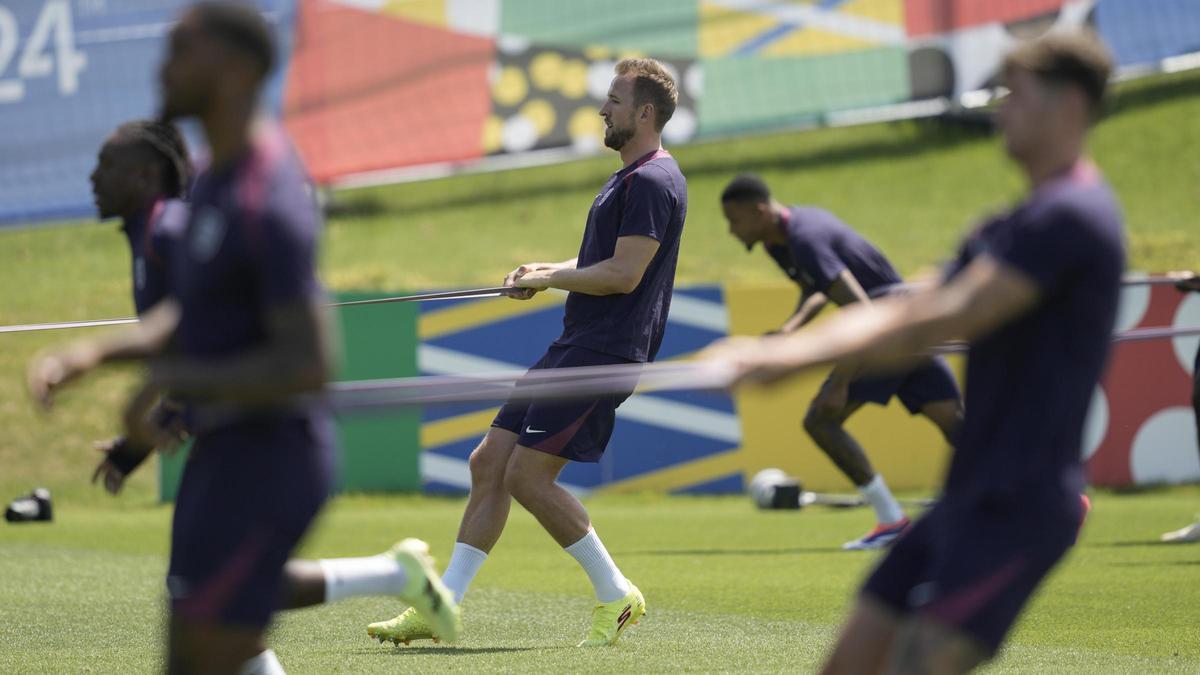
point(648, 198)
point(820, 246)
point(152, 235)
point(1029, 384)
point(250, 245)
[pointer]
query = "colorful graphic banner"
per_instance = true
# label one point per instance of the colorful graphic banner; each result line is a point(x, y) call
point(70, 72)
point(382, 84)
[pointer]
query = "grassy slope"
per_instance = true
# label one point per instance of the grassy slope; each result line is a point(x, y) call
point(910, 187)
point(728, 589)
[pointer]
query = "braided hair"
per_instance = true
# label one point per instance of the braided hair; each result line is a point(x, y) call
point(166, 143)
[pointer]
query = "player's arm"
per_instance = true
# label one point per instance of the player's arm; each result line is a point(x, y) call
point(148, 337)
point(888, 333)
point(619, 274)
point(1186, 281)
point(510, 279)
point(844, 289)
point(810, 305)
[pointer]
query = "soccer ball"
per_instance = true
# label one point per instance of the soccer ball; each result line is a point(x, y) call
point(774, 489)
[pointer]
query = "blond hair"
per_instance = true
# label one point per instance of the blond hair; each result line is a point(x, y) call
point(652, 84)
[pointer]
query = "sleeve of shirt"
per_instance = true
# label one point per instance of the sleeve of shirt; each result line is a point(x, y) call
point(1047, 248)
point(649, 203)
point(285, 256)
point(815, 255)
point(165, 235)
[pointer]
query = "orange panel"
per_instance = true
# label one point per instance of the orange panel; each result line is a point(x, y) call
point(925, 17)
point(370, 91)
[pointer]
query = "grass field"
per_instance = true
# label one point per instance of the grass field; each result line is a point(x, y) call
point(728, 588)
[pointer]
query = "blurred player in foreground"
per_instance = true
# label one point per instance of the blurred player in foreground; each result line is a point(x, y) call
point(1189, 282)
point(1035, 292)
point(243, 341)
point(620, 292)
point(142, 175)
point(830, 261)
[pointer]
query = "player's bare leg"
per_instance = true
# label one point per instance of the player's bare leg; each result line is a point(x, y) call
point(530, 478)
point(209, 648)
point(827, 431)
point(826, 425)
point(488, 505)
point(482, 524)
point(865, 641)
point(947, 416)
point(927, 647)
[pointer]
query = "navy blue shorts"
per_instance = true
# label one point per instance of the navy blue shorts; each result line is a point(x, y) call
point(973, 567)
point(928, 383)
point(248, 494)
point(575, 430)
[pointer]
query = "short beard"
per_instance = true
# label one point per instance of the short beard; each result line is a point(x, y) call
point(617, 138)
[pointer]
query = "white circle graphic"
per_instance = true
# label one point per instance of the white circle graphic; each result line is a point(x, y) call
point(1164, 449)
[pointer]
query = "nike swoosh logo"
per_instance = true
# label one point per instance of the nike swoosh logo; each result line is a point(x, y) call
point(531, 430)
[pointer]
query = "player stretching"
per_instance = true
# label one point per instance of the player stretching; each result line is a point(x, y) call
point(141, 175)
point(620, 291)
point(830, 261)
point(250, 352)
point(1035, 292)
point(1189, 283)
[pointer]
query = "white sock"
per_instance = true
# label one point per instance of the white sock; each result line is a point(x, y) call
point(465, 562)
point(608, 581)
point(266, 663)
point(352, 577)
point(887, 509)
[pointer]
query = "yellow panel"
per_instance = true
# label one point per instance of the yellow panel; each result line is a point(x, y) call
point(432, 12)
point(470, 315)
point(814, 41)
point(884, 11)
point(723, 30)
point(453, 429)
point(681, 475)
point(909, 452)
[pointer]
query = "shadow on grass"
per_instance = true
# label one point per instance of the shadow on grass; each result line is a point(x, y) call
point(737, 551)
point(447, 650)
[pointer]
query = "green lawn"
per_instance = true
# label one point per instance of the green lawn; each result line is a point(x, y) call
point(728, 588)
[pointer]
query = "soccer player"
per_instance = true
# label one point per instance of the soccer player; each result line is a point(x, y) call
point(141, 176)
point(1035, 292)
point(620, 291)
point(249, 354)
point(1189, 283)
point(832, 262)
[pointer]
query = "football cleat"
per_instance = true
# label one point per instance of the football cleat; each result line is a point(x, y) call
point(610, 619)
point(403, 629)
point(425, 593)
point(880, 537)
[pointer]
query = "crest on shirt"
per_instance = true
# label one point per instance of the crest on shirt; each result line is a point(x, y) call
point(139, 273)
point(207, 233)
point(600, 198)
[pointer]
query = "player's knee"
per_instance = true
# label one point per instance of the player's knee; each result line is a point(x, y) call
point(487, 463)
point(817, 422)
point(518, 483)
